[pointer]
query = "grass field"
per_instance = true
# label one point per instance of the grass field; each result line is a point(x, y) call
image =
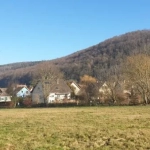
point(97, 128)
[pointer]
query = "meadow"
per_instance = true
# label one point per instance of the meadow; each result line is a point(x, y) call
point(76, 128)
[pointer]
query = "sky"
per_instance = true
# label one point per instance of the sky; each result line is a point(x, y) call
point(34, 30)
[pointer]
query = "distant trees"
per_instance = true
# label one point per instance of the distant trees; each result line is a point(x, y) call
point(137, 73)
point(46, 71)
point(89, 90)
point(46, 74)
point(116, 85)
point(113, 91)
point(10, 89)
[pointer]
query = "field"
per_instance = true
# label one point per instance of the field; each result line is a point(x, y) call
point(85, 128)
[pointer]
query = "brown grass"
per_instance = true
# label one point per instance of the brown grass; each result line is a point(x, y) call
point(97, 128)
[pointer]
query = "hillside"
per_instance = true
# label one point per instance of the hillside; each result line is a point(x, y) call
point(14, 66)
point(100, 60)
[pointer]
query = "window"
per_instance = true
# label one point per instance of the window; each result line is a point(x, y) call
point(2, 98)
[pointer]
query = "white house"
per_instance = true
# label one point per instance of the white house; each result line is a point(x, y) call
point(104, 89)
point(22, 92)
point(58, 96)
point(59, 91)
point(4, 97)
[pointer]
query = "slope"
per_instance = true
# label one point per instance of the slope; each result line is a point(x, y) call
point(101, 60)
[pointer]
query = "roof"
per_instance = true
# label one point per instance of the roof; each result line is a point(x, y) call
point(19, 88)
point(115, 85)
point(3, 92)
point(54, 86)
point(37, 88)
point(59, 86)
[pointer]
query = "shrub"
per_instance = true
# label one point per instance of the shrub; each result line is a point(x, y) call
point(27, 102)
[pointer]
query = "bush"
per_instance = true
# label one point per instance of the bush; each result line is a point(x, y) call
point(7, 104)
point(122, 99)
point(135, 99)
point(27, 102)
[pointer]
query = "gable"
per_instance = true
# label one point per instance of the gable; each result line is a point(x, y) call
point(22, 90)
point(3, 92)
point(55, 86)
point(104, 88)
point(38, 88)
point(37, 94)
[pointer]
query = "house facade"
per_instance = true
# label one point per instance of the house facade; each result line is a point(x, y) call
point(53, 97)
point(51, 91)
point(22, 92)
point(4, 97)
point(37, 94)
point(59, 91)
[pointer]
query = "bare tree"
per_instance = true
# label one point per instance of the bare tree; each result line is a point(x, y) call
point(137, 72)
point(89, 88)
point(47, 74)
point(114, 85)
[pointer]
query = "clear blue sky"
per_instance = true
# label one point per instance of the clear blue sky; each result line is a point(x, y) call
point(33, 30)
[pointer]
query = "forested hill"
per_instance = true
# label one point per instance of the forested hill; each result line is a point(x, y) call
point(99, 60)
point(102, 59)
point(14, 66)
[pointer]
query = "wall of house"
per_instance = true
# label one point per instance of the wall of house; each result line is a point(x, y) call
point(5, 98)
point(23, 92)
point(37, 94)
point(51, 97)
point(54, 96)
point(75, 88)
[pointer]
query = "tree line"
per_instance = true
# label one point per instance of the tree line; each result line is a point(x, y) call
point(128, 86)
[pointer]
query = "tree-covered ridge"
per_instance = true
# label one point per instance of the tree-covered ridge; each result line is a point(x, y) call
point(14, 66)
point(101, 61)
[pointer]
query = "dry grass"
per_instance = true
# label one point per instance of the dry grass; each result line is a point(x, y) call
point(97, 128)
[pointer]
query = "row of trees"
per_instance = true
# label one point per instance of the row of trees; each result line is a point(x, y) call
point(130, 84)
point(137, 72)
point(133, 77)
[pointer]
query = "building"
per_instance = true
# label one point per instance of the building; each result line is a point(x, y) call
point(22, 92)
